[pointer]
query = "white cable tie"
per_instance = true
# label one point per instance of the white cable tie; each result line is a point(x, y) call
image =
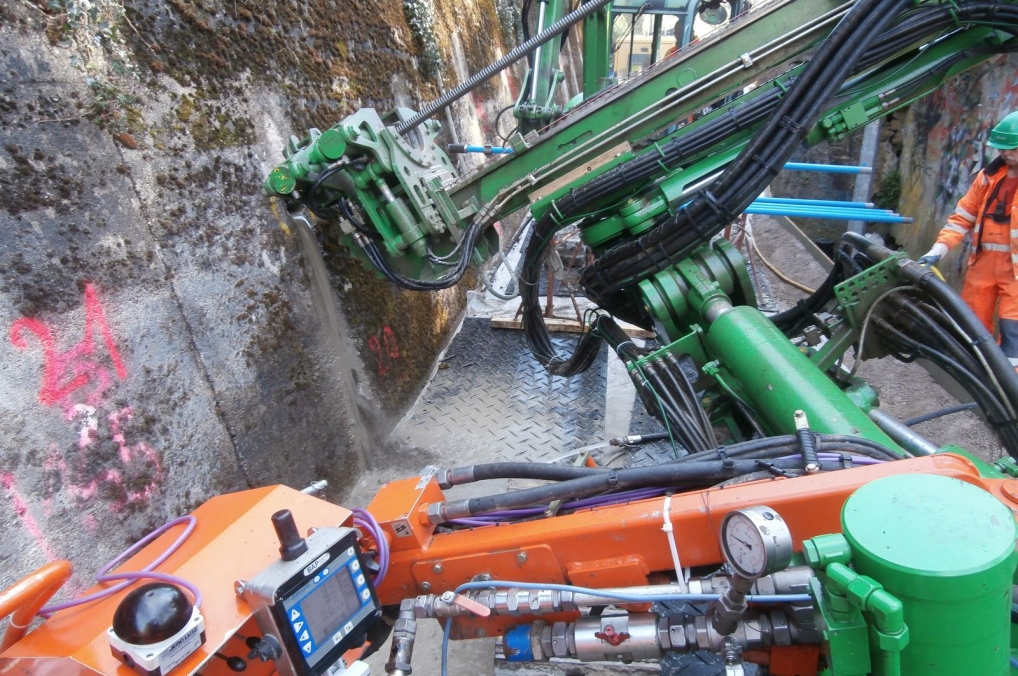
point(680, 575)
point(623, 344)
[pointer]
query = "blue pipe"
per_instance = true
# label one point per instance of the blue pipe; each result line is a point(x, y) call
point(827, 168)
point(487, 150)
point(819, 203)
point(871, 215)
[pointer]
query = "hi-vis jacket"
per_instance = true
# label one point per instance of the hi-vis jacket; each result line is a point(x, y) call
point(971, 209)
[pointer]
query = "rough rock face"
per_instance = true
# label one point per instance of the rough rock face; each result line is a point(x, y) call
point(164, 336)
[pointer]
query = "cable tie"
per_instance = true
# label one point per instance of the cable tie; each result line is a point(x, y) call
point(846, 461)
point(681, 575)
point(770, 168)
point(613, 479)
point(773, 469)
point(599, 275)
point(717, 207)
point(734, 117)
point(726, 462)
point(793, 126)
point(619, 347)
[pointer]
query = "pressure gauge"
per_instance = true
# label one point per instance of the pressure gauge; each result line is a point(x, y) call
point(756, 541)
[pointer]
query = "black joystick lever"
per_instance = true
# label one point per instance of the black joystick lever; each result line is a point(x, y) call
point(291, 544)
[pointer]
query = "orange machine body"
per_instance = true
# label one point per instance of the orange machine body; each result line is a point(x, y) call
point(619, 545)
point(608, 546)
point(233, 540)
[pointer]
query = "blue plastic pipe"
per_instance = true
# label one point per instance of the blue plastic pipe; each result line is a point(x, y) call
point(818, 203)
point(872, 215)
point(827, 168)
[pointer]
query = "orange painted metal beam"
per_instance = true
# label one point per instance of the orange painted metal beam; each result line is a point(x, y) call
point(618, 540)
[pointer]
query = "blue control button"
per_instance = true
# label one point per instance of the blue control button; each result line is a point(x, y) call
point(297, 626)
point(294, 615)
point(306, 647)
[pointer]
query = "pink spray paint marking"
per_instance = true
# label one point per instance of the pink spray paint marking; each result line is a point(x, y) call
point(64, 374)
point(25, 514)
point(387, 350)
point(76, 380)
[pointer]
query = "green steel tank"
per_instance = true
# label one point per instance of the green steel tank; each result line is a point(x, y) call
point(946, 549)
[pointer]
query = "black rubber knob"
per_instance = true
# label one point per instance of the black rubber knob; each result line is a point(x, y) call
point(151, 613)
point(291, 544)
point(266, 649)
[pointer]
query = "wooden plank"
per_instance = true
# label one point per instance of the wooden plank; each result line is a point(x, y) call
point(557, 324)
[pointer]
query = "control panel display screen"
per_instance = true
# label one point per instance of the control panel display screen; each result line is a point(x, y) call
point(329, 606)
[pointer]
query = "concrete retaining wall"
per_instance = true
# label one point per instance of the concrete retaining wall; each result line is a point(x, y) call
point(163, 336)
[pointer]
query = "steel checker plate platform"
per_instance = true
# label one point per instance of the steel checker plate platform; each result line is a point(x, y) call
point(495, 402)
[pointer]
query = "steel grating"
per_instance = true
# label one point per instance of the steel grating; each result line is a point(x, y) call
point(494, 402)
point(494, 397)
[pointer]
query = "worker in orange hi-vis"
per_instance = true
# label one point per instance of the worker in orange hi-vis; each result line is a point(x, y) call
point(675, 48)
point(989, 210)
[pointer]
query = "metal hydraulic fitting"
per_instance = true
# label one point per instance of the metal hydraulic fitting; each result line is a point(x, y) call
point(404, 631)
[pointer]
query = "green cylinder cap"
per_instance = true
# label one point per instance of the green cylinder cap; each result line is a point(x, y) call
point(331, 144)
point(280, 181)
point(946, 550)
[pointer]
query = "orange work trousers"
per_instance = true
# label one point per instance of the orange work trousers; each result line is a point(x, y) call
point(989, 280)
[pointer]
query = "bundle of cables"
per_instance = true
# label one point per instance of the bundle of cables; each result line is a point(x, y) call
point(578, 486)
point(929, 320)
point(859, 41)
point(664, 387)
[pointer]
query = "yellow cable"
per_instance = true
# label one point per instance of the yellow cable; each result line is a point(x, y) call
point(786, 280)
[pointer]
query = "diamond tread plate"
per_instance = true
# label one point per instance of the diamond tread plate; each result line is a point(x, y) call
point(495, 396)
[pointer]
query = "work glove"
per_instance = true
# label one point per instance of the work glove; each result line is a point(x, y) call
point(933, 256)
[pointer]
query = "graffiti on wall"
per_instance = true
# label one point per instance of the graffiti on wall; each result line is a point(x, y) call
point(77, 381)
point(959, 117)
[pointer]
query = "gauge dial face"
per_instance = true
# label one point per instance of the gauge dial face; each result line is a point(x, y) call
point(744, 545)
point(756, 541)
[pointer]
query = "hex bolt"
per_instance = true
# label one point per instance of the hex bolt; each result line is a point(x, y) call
point(425, 587)
point(437, 569)
point(481, 633)
point(521, 558)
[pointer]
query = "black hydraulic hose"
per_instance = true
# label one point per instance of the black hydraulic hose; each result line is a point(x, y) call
point(956, 308)
point(691, 404)
point(926, 417)
point(756, 165)
point(931, 332)
point(789, 321)
point(996, 413)
point(541, 471)
point(670, 475)
point(691, 435)
point(789, 443)
point(469, 241)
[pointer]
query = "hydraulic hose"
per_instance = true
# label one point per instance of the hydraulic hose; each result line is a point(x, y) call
point(671, 474)
point(926, 417)
point(956, 308)
point(756, 165)
point(996, 413)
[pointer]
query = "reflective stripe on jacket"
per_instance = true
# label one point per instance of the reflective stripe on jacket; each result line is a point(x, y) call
point(968, 215)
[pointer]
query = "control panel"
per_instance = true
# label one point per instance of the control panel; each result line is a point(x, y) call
point(315, 603)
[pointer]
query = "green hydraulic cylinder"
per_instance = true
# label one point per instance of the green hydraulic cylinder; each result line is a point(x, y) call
point(946, 550)
point(779, 379)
